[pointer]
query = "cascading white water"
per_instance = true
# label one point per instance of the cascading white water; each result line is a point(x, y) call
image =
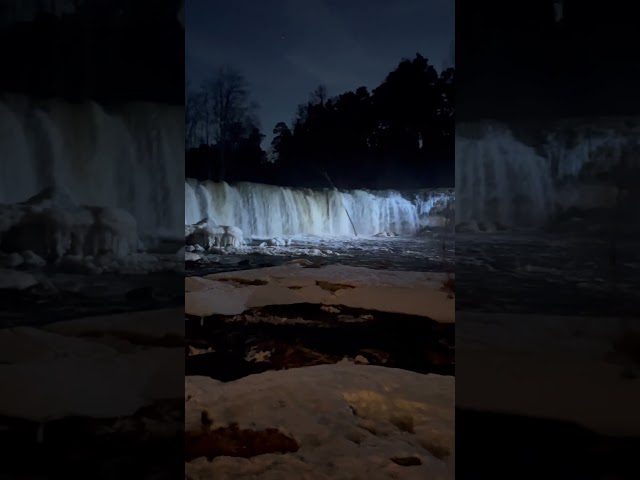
point(597, 147)
point(130, 157)
point(267, 211)
point(500, 178)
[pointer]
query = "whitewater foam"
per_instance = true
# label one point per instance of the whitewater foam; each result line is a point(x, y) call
point(500, 177)
point(130, 157)
point(269, 211)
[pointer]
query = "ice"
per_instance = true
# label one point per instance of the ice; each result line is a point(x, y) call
point(349, 421)
point(268, 212)
point(51, 225)
point(209, 235)
point(52, 229)
point(120, 158)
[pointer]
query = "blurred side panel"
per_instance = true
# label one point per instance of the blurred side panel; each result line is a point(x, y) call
point(91, 210)
point(547, 175)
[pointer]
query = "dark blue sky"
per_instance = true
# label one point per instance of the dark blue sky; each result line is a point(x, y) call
point(286, 48)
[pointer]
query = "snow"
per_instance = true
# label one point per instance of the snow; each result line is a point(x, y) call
point(95, 367)
point(414, 293)
point(554, 367)
point(208, 234)
point(348, 420)
point(51, 229)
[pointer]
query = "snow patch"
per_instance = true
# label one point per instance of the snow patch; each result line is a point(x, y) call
point(413, 293)
point(357, 420)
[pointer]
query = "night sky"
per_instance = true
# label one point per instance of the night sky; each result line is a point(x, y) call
point(286, 48)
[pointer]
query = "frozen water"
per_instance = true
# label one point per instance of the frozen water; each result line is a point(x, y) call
point(51, 225)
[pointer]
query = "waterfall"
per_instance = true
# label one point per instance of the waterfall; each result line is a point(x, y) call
point(500, 177)
point(266, 210)
point(130, 157)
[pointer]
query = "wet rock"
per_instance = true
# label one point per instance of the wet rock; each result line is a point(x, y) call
point(406, 461)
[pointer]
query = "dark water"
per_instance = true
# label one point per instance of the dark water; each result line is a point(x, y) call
point(65, 297)
point(425, 254)
point(544, 273)
point(386, 339)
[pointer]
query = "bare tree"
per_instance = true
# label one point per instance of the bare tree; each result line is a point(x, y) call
point(319, 96)
point(228, 106)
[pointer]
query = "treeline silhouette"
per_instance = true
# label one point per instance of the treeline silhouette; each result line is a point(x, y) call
point(107, 50)
point(400, 135)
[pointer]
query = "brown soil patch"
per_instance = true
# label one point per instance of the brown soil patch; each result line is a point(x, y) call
point(235, 442)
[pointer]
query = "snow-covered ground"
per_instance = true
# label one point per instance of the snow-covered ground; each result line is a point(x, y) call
point(415, 293)
point(317, 416)
point(339, 421)
point(97, 367)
